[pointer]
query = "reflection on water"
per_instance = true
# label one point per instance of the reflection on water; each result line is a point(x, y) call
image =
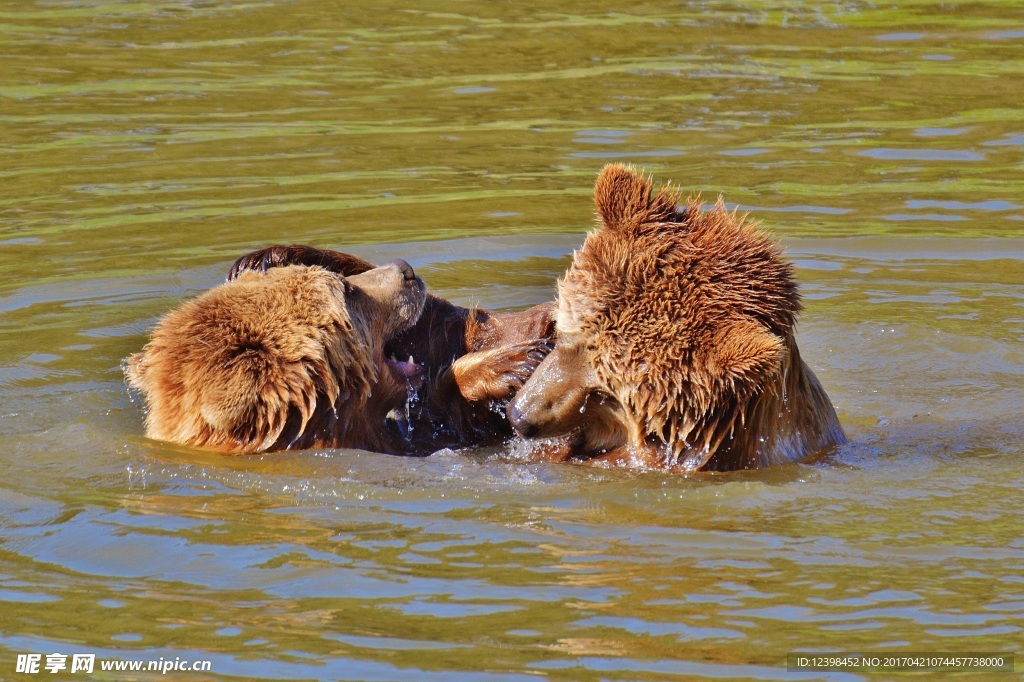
point(147, 145)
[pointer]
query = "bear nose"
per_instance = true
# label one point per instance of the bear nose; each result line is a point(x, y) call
point(407, 272)
point(523, 427)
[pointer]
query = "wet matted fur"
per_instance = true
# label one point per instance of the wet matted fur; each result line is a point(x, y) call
point(290, 358)
point(472, 360)
point(675, 343)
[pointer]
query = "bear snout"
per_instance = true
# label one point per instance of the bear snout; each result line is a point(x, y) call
point(408, 274)
point(523, 426)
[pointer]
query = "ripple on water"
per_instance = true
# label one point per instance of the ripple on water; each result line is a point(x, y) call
point(922, 154)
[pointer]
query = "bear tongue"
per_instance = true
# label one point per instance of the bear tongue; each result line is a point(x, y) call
point(407, 371)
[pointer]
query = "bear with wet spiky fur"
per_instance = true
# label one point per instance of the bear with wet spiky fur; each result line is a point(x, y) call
point(290, 358)
point(472, 360)
point(676, 347)
point(298, 350)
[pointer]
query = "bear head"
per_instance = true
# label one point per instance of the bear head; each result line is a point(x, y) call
point(293, 357)
point(670, 320)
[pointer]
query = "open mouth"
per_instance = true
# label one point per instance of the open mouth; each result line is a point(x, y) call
point(406, 372)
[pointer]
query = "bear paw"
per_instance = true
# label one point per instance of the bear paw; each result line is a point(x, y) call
point(498, 373)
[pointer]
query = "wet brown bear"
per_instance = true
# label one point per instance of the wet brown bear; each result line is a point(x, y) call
point(471, 358)
point(297, 357)
point(292, 358)
point(675, 344)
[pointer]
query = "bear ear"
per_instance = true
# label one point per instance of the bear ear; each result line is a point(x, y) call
point(624, 203)
point(742, 359)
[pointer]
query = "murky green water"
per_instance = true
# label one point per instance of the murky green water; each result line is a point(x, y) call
point(143, 146)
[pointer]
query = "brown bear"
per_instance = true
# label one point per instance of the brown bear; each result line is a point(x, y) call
point(472, 359)
point(290, 358)
point(301, 353)
point(676, 347)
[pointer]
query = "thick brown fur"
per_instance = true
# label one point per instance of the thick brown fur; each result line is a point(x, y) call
point(676, 343)
point(473, 359)
point(290, 358)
